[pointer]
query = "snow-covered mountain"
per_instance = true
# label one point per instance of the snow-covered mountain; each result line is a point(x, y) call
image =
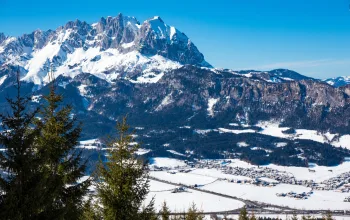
point(338, 81)
point(114, 47)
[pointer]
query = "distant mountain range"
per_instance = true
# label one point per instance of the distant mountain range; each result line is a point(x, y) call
point(154, 73)
point(339, 81)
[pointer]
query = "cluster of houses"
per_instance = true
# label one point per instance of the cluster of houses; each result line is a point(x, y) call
point(340, 183)
point(256, 181)
point(255, 172)
point(179, 189)
point(303, 195)
point(258, 173)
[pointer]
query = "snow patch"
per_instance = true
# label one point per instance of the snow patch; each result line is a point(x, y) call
point(176, 153)
point(166, 162)
point(2, 79)
point(211, 103)
point(166, 101)
point(224, 130)
point(36, 98)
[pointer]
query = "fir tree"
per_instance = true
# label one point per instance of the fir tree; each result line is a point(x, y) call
point(193, 213)
point(252, 217)
point(91, 211)
point(148, 212)
point(243, 215)
point(164, 212)
point(123, 180)
point(19, 174)
point(61, 162)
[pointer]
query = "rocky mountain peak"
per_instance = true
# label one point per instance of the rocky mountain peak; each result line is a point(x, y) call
point(118, 46)
point(156, 37)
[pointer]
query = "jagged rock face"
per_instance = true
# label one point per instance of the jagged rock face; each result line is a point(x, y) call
point(158, 38)
point(78, 47)
point(115, 31)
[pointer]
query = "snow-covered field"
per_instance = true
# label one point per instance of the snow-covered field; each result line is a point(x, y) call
point(183, 178)
point(208, 179)
point(166, 162)
point(319, 199)
point(179, 202)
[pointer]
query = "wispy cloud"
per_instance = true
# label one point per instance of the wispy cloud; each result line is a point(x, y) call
point(301, 64)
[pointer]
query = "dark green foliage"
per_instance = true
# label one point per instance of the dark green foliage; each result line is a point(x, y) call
point(164, 212)
point(122, 180)
point(91, 211)
point(148, 212)
point(61, 163)
point(243, 215)
point(194, 214)
point(20, 184)
point(252, 217)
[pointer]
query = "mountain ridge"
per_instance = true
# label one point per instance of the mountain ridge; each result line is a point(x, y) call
point(111, 36)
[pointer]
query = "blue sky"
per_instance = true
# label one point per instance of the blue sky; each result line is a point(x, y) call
point(309, 36)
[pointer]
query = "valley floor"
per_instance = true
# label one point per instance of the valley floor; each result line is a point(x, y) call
point(214, 191)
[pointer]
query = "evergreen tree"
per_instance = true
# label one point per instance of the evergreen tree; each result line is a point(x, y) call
point(193, 213)
point(90, 211)
point(148, 212)
point(252, 217)
point(123, 180)
point(20, 187)
point(164, 212)
point(243, 215)
point(61, 162)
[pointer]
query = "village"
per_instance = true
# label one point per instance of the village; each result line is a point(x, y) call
point(263, 176)
point(295, 195)
point(340, 183)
